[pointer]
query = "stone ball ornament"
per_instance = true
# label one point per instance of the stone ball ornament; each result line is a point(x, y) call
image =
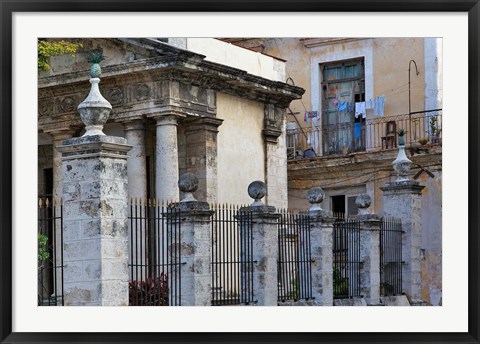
point(257, 190)
point(188, 184)
point(315, 196)
point(362, 202)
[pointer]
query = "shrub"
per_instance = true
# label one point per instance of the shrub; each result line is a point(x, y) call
point(151, 292)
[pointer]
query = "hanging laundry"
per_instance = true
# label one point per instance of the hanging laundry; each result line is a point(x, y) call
point(357, 129)
point(342, 106)
point(335, 101)
point(379, 105)
point(369, 104)
point(349, 106)
point(360, 110)
point(312, 114)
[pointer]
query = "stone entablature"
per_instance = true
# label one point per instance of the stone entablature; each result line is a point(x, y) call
point(177, 82)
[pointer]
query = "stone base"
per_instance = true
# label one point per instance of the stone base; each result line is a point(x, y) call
point(299, 303)
point(418, 303)
point(356, 301)
point(397, 300)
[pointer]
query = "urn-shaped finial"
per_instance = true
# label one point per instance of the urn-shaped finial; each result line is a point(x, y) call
point(315, 196)
point(257, 190)
point(188, 184)
point(402, 164)
point(94, 110)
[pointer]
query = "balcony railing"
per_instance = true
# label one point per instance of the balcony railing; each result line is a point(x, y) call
point(379, 133)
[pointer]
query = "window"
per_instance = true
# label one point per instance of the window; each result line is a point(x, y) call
point(343, 85)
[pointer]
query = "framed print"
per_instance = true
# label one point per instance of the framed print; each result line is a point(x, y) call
point(229, 158)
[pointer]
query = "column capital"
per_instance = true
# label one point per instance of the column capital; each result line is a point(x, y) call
point(133, 124)
point(205, 123)
point(59, 134)
point(166, 120)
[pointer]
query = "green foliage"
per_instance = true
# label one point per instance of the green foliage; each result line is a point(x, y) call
point(340, 285)
point(95, 56)
point(42, 248)
point(401, 132)
point(434, 129)
point(48, 49)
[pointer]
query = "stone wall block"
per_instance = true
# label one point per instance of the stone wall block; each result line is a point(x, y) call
point(81, 250)
point(114, 248)
point(71, 191)
point(72, 230)
point(73, 271)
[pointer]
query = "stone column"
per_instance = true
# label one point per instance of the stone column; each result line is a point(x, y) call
point(136, 161)
point(137, 191)
point(370, 225)
point(166, 156)
point(321, 241)
point(264, 222)
point(58, 136)
point(274, 135)
point(402, 199)
point(195, 247)
point(201, 142)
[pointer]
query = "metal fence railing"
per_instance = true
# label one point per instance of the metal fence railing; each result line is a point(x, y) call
point(50, 252)
point(294, 257)
point(346, 258)
point(378, 133)
point(232, 255)
point(391, 257)
point(154, 259)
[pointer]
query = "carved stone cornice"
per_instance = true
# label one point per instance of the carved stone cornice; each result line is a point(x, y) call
point(189, 68)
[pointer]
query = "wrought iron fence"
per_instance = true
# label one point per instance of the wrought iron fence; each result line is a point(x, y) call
point(391, 257)
point(232, 255)
point(346, 258)
point(294, 257)
point(50, 252)
point(154, 259)
point(422, 127)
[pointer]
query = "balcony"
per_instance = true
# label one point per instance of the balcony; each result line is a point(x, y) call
point(375, 134)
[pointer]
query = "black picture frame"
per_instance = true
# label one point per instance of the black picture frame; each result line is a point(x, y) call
point(8, 7)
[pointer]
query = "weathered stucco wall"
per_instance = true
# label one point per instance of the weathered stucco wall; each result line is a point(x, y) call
point(237, 57)
point(391, 57)
point(241, 154)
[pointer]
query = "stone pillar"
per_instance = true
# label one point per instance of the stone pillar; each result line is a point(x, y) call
point(136, 161)
point(274, 135)
point(321, 241)
point(58, 136)
point(95, 219)
point(166, 156)
point(195, 247)
point(201, 142)
point(264, 222)
point(370, 225)
point(95, 214)
point(402, 199)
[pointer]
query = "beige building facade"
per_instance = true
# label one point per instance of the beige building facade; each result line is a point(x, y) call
point(329, 145)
